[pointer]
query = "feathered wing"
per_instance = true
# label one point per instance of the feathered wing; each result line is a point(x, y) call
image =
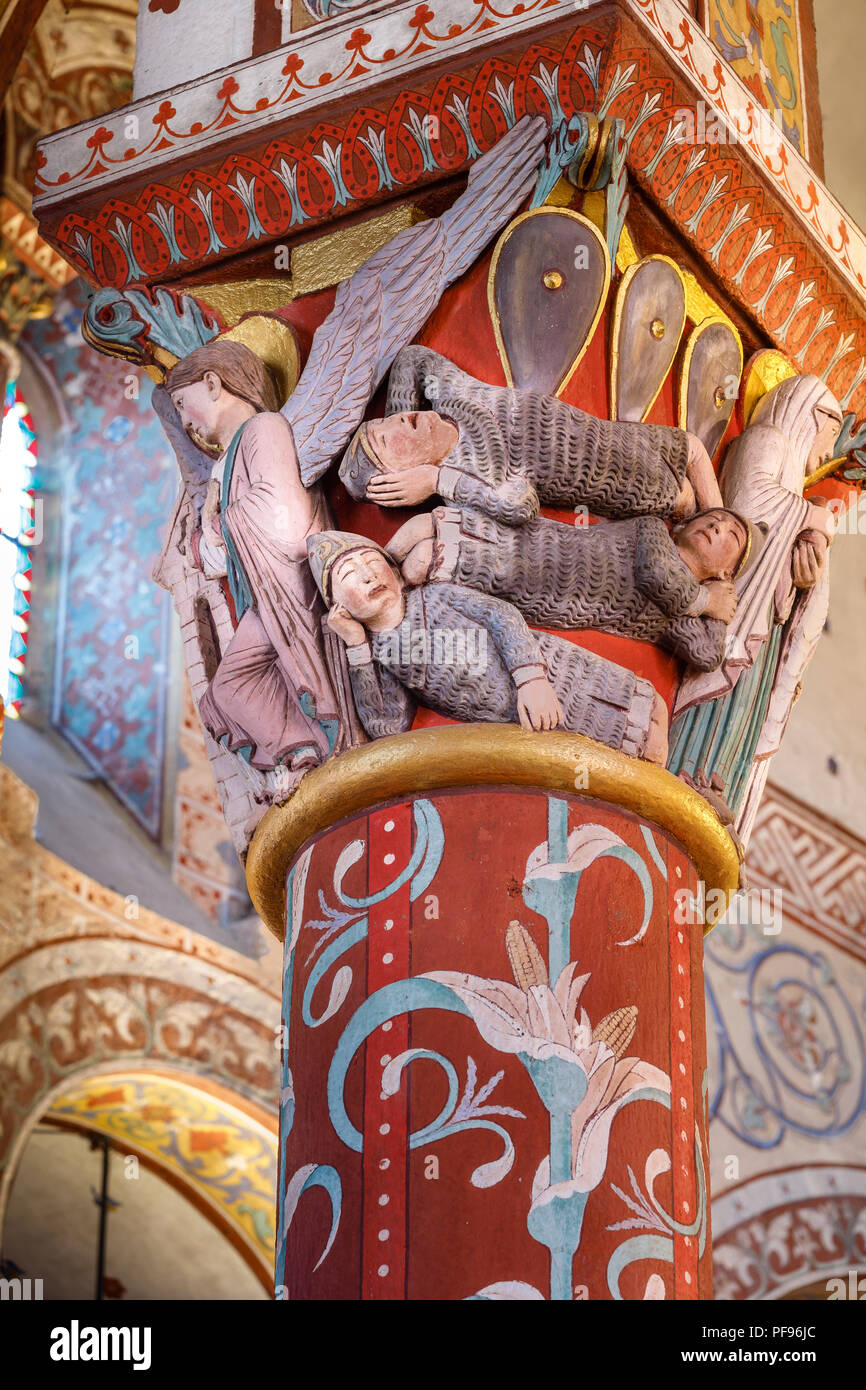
point(389, 299)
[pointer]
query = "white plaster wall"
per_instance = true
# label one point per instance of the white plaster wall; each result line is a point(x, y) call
point(822, 760)
point(829, 720)
point(159, 1246)
point(841, 31)
point(199, 37)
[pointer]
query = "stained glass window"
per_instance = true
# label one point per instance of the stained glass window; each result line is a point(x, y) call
point(17, 536)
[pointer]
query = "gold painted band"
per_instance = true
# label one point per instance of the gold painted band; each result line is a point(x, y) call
point(825, 471)
point(592, 137)
point(487, 755)
point(605, 131)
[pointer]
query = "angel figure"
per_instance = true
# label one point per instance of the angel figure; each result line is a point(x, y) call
point(280, 695)
point(728, 723)
point(471, 657)
point(505, 452)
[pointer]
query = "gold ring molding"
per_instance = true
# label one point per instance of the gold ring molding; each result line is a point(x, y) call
point(494, 755)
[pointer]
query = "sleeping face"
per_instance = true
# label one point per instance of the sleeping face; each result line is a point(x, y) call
point(366, 585)
point(412, 438)
point(712, 544)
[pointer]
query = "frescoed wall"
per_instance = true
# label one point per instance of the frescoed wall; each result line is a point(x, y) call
point(160, 1243)
point(91, 983)
point(220, 1153)
point(787, 1070)
point(761, 41)
point(786, 1029)
point(113, 635)
point(18, 462)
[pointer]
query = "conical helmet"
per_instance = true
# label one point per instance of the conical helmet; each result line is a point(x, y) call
point(325, 548)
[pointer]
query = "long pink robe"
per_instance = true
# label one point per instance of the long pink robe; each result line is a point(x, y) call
point(277, 660)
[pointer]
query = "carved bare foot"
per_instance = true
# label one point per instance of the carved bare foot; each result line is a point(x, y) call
point(713, 792)
point(656, 750)
point(304, 761)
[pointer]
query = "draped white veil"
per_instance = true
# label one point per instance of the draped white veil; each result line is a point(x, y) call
point(763, 477)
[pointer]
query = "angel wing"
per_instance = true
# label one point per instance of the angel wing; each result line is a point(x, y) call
point(387, 301)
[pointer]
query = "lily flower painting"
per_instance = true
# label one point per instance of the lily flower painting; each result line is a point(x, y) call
point(580, 1073)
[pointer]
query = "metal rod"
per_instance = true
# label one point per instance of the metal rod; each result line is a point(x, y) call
point(103, 1222)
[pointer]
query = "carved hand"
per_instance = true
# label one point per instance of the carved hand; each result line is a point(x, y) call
point(823, 517)
point(538, 705)
point(341, 622)
point(723, 600)
point(404, 489)
point(807, 560)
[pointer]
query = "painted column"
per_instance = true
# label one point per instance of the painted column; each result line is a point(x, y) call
point(495, 1063)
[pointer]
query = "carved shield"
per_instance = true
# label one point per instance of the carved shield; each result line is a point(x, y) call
point(547, 288)
point(710, 381)
point(648, 323)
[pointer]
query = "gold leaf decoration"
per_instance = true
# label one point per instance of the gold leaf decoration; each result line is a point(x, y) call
point(767, 369)
point(274, 341)
point(330, 259)
point(235, 298)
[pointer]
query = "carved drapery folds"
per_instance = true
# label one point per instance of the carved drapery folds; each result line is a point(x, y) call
point(275, 702)
point(544, 468)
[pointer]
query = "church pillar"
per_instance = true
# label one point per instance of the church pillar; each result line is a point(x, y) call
point(494, 1055)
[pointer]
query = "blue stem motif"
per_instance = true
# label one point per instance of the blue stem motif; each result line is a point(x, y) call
point(418, 872)
point(311, 1175)
point(389, 1002)
point(661, 1247)
point(556, 1218)
point(565, 893)
point(554, 897)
